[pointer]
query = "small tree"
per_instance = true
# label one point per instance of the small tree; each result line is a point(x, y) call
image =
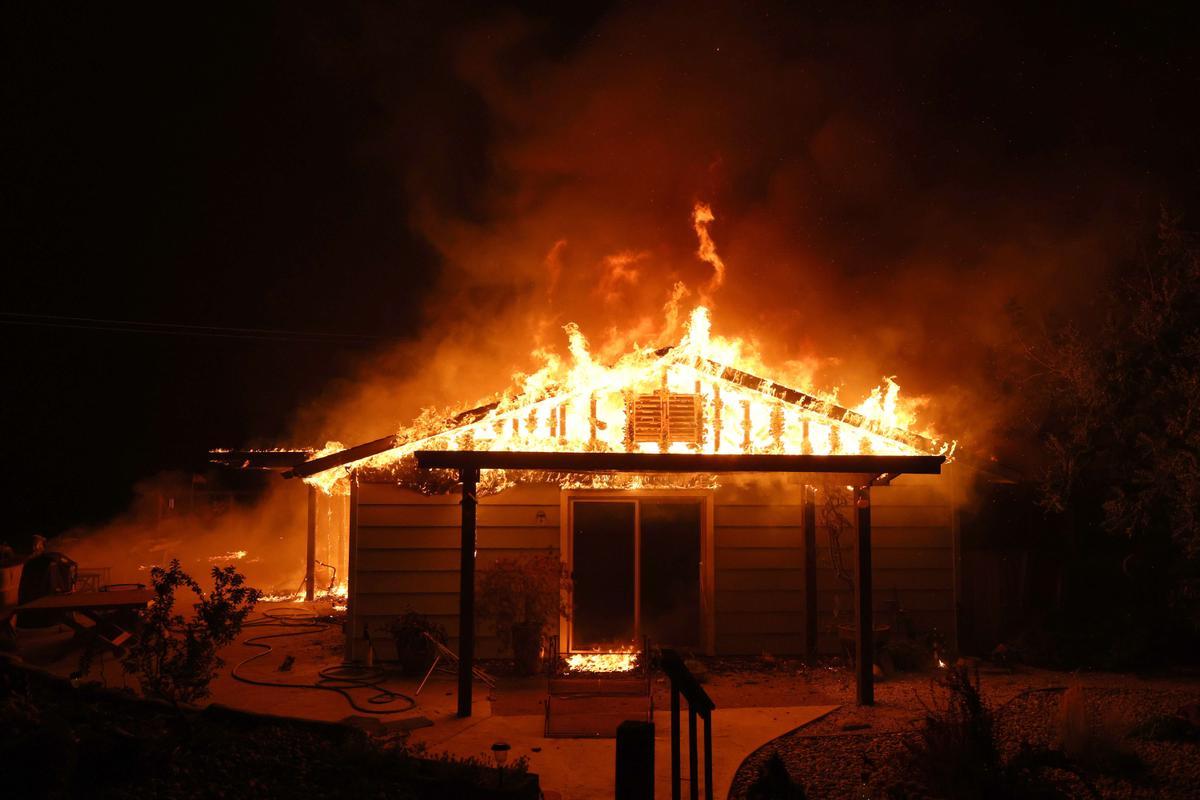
point(174, 657)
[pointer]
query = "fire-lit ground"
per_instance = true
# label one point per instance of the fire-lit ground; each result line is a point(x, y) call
point(764, 705)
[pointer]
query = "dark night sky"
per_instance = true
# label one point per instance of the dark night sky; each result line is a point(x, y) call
point(258, 169)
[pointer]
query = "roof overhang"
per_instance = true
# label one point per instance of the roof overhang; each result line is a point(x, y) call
point(676, 462)
point(260, 459)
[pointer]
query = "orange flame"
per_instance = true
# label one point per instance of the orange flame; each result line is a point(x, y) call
point(708, 394)
point(702, 215)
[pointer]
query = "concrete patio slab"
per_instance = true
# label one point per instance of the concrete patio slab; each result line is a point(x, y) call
point(584, 769)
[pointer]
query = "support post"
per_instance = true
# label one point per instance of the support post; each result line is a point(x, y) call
point(810, 571)
point(310, 576)
point(352, 574)
point(864, 655)
point(469, 476)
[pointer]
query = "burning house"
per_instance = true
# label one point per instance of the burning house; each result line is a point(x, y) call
point(694, 500)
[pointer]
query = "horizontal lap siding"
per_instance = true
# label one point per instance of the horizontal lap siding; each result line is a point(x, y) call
point(758, 538)
point(759, 547)
point(911, 559)
point(408, 553)
point(408, 558)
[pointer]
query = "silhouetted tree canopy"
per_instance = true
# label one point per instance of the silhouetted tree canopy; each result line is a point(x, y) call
point(1118, 401)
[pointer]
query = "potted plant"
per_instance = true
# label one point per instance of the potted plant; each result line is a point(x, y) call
point(413, 649)
point(523, 597)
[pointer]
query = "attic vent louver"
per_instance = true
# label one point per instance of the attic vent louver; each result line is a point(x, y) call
point(667, 418)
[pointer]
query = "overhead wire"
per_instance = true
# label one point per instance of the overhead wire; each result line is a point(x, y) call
point(21, 319)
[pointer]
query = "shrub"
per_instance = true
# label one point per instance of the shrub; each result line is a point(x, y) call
point(175, 658)
point(956, 754)
point(413, 649)
point(774, 782)
point(1095, 744)
point(523, 597)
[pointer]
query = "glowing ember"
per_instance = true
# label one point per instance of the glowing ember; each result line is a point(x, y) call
point(602, 662)
point(336, 596)
point(232, 555)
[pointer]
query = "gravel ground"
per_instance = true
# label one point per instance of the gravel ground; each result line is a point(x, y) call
point(855, 752)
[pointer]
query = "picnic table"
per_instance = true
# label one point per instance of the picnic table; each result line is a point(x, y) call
point(114, 615)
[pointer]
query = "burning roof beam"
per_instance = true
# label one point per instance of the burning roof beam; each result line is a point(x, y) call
point(381, 445)
point(259, 459)
point(811, 403)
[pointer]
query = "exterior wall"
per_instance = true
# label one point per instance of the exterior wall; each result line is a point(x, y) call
point(406, 557)
point(912, 560)
point(407, 553)
point(758, 525)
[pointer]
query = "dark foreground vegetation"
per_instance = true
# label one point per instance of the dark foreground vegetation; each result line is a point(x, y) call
point(58, 740)
point(1114, 399)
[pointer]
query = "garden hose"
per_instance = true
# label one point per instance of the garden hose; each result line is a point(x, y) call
point(340, 679)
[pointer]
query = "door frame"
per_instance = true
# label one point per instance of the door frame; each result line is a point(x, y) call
point(707, 550)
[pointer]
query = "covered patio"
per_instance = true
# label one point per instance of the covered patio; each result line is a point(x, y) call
point(860, 472)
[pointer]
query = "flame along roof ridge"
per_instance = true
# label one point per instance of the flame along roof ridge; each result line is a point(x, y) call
point(809, 403)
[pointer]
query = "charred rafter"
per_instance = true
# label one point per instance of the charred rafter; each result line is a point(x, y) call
point(380, 445)
point(259, 459)
point(811, 403)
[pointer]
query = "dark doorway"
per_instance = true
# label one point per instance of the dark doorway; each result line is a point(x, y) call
point(603, 571)
point(670, 573)
point(636, 569)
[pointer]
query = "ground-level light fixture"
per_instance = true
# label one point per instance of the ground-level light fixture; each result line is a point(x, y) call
point(500, 753)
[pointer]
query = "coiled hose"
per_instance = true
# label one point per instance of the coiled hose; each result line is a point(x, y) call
point(340, 679)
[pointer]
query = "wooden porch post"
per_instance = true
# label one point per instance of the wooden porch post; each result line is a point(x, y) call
point(864, 655)
point(310, 577)
point(469, 476)
point(810, 571)
point(352, 573)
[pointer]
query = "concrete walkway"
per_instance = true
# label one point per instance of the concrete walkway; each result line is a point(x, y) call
point(584, 769)
point(575, 769)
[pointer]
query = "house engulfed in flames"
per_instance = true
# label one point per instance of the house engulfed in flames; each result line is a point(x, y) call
point(719, 563)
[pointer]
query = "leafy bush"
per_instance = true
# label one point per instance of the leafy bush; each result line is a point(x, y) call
point(956, 753)
point(523, 597)
point(1095, 744)
point(774, 782)
point(175, 658)
point(413, 649)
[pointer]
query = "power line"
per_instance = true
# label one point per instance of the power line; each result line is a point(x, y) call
point(20, 319)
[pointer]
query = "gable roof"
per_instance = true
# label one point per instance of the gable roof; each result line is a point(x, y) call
point(501, 411)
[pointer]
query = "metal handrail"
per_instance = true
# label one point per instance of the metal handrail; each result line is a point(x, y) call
point(684, 683)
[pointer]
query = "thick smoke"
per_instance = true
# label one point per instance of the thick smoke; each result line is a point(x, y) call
point(860, 233)
point(870, 216)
